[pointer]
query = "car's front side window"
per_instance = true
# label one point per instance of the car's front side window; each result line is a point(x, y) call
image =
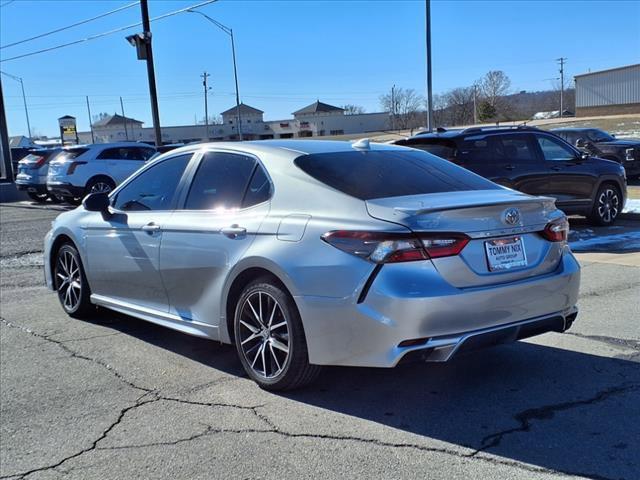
point(220, 182)
point(154, 188)
point(515, 148)
point(553, 150)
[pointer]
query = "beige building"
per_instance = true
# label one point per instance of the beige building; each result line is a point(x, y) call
point(315, 120)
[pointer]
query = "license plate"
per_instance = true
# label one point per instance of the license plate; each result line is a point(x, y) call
point(505, 253)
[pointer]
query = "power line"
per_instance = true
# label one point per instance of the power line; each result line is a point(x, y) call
point(82, 22)
point(7, 3)
point(110, 32)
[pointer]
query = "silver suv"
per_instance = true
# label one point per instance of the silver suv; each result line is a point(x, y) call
point(78, 171)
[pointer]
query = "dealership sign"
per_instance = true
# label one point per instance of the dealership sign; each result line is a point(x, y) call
point(68, 130)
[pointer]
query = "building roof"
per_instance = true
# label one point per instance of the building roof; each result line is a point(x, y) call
point(244, 109)
point(625, 67)
point(317, 107)
point(20, 141)
point(115, 119)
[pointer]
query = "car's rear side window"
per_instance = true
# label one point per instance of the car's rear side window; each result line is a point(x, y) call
point(381, 174)
point(220, 182)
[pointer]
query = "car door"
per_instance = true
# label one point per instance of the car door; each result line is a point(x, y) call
point(123, 250)
point(572, 177)
point(223, 209)
point(516, 154)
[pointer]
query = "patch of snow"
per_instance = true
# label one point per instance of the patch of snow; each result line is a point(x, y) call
point(629, 241)
point(632, 206)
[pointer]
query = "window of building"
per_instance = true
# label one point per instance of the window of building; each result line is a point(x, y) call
point(336, 132)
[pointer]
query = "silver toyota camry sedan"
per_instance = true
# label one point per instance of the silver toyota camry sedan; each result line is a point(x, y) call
point(312, 253)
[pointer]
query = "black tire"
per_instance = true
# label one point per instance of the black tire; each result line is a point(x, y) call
point(607, 205)
point(38, 197)
point(77, 288)
point(99, 184)
point(56, 198)
point(279, 372)
point(71, 200)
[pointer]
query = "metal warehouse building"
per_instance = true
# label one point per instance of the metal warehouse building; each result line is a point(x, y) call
point(608, 92)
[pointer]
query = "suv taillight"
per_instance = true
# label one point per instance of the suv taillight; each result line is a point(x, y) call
point(556, 231)
point(73, 166)
point(37, 164)
point(392, 247)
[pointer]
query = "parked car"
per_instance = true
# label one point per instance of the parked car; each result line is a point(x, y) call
point(80, 170)
point(310, 253)
point(32, 173)
point(601, 144)
point(536, 162)
point(17, 154)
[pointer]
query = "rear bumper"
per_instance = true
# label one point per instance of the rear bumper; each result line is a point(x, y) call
point(31, 187)
point(65, 189)
point(408, 302)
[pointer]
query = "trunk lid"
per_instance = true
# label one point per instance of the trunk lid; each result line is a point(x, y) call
point(480, 214)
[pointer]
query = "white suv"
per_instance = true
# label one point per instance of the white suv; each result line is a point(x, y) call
point(78, 171)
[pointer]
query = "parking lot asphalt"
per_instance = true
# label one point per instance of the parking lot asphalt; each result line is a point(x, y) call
point(115, 397)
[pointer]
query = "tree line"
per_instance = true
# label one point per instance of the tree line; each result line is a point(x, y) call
point(487, 100)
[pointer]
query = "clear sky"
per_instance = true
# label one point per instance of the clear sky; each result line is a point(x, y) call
point(292, 53)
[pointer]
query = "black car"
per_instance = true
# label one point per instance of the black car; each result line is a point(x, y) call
point(535, 162)
point(601, 144)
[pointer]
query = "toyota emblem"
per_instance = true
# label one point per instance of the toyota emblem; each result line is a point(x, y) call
point(511, 216)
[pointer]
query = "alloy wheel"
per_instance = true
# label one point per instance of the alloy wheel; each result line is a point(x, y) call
point(100, 187)
point(69, 280)
point(608, 205)
point(264, 335)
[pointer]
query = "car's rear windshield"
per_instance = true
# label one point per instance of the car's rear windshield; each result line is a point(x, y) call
point(71, 153)
point(382, 174)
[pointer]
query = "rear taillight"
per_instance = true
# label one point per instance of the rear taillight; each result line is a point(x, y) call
point(556, 231)
point(73, 166)
point(38, 163)
point(392, 247)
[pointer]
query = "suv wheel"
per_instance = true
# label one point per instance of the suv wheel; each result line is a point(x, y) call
point(270, 339)
point(71, 282)
point(607, 206)
point(38, 197)
point(100, 185)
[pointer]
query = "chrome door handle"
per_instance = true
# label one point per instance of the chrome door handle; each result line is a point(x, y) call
point(510, 167)
point(150, 228)
point(234, 231)
point(557, 169)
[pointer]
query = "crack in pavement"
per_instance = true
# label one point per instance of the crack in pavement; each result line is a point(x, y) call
point(547, 412)
point(618, 342)
point(608, 291)
point(94, 444)
point(74, 354)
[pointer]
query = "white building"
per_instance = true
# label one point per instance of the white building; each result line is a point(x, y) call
point(315, 120)
point(608, 92)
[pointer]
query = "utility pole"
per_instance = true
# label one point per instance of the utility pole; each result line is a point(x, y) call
point(393, 107)
point(93, 140)
point(561, 61)
point(6, 169)
point(475, 107)
point(204, 76)
point(146, 31)
point(429, 82)
point(124, 119)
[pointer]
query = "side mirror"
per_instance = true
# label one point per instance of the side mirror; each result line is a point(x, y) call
point(581, 143)
point(96, 202)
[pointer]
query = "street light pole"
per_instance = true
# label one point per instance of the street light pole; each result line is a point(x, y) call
point(146, 31)
point(429, 83)
point(24, 99)
point(229, 32)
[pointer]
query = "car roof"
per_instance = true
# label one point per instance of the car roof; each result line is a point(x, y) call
point(573, 129)
point(110, 145)
point(292, 148)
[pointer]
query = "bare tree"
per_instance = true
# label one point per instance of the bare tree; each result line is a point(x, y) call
point(460, 105)
point(494, 85)
point(213, 120)
point(404, 107)
point(350, 109)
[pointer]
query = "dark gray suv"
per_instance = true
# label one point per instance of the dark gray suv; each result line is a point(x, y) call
point(536, 162)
